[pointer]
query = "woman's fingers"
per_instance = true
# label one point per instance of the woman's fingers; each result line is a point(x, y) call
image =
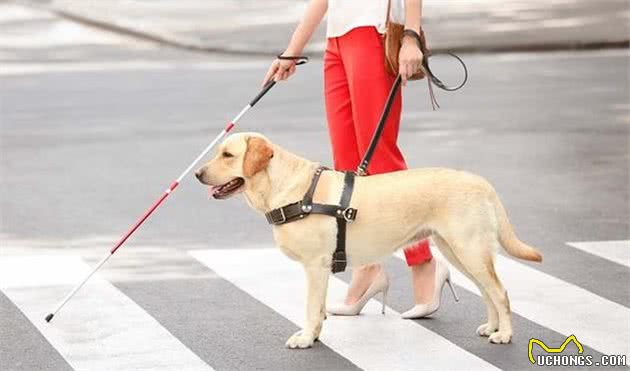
point(283, 73)
point(405, 71)
point(270, 73)
point(278, 76)
point(408, 68)
point(280, 70)
point(410, 59)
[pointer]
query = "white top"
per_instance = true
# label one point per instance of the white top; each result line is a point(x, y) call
point(344, 15)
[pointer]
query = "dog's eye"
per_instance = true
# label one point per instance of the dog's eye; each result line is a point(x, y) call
point(227, 154)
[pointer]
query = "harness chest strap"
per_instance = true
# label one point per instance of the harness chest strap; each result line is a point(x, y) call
point(342, 213)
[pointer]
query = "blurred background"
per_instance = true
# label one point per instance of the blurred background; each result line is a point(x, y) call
point(260, 27)
point(103, 103)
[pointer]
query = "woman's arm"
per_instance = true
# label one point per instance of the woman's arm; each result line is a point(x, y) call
point(413, 15)
point(282, 69)
point(410, 57)
point(312, 17)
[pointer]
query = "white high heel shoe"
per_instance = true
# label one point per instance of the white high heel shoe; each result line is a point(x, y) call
point(380, 284)
point(442, 276)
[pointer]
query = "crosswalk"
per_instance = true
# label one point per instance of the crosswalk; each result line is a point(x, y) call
point(559, 305)
point(615, 251)
point(108, 327)
point(380, 333)
point(103, 329)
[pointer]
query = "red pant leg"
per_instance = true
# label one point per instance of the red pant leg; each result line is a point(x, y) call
point(339, 110)
point(369, 84)
point(418, 254)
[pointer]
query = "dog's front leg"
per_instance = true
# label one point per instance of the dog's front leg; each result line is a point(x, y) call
point(317, 282)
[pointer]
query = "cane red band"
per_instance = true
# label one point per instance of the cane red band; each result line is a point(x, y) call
point(140, 221)
point(229, 127)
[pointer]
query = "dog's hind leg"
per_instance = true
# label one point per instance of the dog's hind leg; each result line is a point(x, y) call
point(492, 325)
point(317, 284)
point(498, 295)
point(477, 260)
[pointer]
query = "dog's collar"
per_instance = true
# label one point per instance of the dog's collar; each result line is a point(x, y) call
point(342, 213)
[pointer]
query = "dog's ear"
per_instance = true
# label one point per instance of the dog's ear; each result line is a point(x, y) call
point(257, 156)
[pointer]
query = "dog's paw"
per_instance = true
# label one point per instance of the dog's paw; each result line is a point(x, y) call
point(500, 337)
point(300, 341)
point(486, 329)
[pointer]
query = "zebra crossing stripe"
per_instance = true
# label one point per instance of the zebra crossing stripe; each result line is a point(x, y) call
point(368, 340)
point(615, 251)
point(558, 305)
point(102, 329)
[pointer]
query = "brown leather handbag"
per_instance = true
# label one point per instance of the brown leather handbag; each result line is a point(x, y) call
point(392, 41)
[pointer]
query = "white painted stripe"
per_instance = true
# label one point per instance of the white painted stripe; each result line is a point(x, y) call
point(101, 329)
point(368, 340)
point(559, 305)
point(615, 251)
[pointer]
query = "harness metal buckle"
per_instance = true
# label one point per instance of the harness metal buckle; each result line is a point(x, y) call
point(284, 216)
point(349, 214)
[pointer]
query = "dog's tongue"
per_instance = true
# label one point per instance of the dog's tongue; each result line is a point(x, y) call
point(212, 190)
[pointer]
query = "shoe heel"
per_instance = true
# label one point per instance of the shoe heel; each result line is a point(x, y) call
point(384, 302)
point(450, 285)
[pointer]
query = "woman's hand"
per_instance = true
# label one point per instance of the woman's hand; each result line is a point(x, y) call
point(409, 58)
point(280, 69)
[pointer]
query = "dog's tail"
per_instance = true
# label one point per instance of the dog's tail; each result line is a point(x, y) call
point(508, 239)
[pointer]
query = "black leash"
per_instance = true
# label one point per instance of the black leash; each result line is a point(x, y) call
point(362, 169)
point(439, 82)
point(431, 79)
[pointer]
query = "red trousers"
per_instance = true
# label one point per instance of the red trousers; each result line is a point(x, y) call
point(356, 86)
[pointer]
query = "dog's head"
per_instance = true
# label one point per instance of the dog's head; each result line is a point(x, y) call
point(239, 159)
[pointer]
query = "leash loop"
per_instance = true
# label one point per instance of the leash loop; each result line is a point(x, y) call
point(299, 59)
point(431, 80)
point(435, 80)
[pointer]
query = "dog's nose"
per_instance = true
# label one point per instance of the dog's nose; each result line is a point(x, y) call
point(198, 174)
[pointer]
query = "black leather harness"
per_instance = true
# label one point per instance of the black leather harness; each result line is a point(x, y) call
point(342, 213)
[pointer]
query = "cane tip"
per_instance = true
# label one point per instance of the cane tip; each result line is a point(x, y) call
point(49, 317)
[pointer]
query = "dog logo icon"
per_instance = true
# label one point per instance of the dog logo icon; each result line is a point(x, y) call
point(547, 349)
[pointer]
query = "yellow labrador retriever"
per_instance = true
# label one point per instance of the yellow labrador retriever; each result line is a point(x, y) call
point(459, 210)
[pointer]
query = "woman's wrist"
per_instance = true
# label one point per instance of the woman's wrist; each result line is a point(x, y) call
point(406, 40)
point(412, 37)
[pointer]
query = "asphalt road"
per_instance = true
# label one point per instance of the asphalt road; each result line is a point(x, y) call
point(93, 131)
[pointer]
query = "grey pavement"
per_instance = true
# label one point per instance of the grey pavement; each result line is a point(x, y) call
point(264, 27)
point(91, 136)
